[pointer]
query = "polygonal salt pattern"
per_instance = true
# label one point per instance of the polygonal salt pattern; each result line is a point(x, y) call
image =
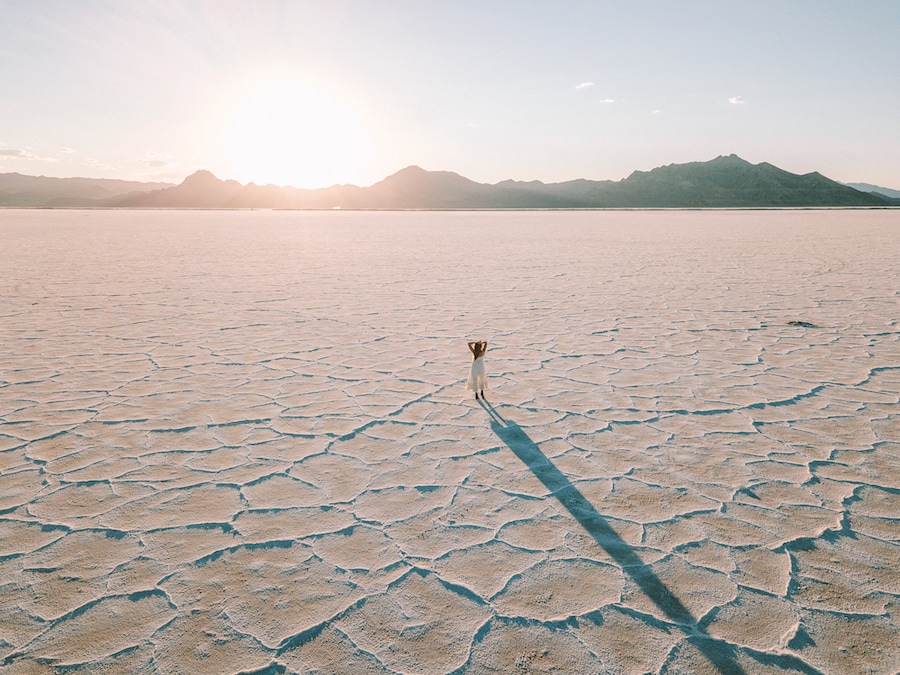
point(241, 442)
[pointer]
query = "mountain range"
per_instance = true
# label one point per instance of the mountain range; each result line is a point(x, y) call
point(17, 190)
point(724, 182)
point(868, 187)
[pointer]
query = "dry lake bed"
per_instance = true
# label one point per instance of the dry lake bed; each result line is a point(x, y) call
point(241, 442)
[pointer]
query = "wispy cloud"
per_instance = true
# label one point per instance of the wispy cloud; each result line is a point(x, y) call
point(736, 100)
point(20, 153)
point(608, 100)
point(97, 164)
point(159, 160)
point(584, 85)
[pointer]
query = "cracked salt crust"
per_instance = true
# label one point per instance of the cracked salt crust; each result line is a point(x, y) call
point(241, 441)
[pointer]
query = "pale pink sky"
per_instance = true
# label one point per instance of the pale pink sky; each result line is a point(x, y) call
point(314, 93)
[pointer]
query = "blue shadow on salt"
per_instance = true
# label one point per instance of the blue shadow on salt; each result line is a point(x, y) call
point(718, 652)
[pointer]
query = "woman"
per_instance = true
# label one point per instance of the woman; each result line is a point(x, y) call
point(477, 378)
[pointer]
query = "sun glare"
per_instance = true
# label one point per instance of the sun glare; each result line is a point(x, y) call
point(288, 131)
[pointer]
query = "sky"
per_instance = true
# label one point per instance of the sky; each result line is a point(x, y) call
point(314, 93)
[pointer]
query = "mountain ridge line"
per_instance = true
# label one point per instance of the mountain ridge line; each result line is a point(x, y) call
point(723, 182)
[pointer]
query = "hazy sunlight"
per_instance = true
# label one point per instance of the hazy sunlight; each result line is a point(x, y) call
point(287, 131)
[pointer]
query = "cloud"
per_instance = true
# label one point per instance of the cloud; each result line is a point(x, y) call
point(19, 153)
point(159, 160)
point(608, 100)
point(584, 85)
point(736, 100)
point(97, 164)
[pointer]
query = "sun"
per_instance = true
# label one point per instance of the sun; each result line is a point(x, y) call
point(292, 131)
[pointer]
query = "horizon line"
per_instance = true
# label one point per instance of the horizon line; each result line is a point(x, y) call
point(171, 184)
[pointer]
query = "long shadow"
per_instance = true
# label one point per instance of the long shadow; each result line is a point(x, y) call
point(719, 653)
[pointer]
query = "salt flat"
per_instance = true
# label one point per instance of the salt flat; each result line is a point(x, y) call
point(241, 442)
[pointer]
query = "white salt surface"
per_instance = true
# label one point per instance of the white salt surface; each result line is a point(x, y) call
point(241, 442)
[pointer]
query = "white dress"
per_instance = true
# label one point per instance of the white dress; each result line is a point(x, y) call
point(477, 378)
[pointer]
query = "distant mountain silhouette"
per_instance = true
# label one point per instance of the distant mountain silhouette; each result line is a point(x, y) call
point(200, 190)
point(42, 191)
point(732, 182)
point(724, 182)
point(877, 189)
